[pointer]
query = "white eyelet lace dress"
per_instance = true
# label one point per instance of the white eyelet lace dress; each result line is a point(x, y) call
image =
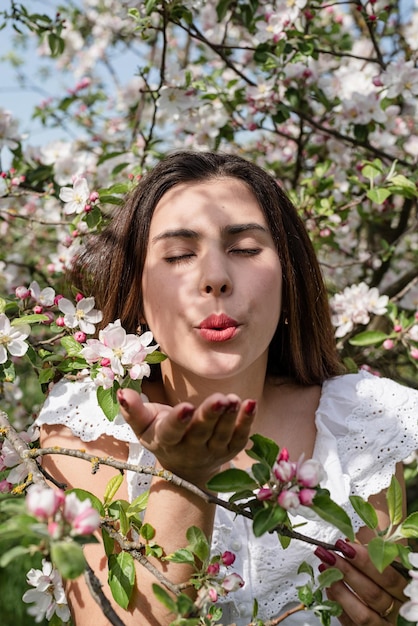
point(365, 425)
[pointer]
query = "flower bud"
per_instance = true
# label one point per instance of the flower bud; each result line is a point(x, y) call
point(213, 594)
point(22, 293)
point(265, 493)
point(232, 582)
point(86, 522)
point(306, 496)
point(213, 569)
point(309, 473)
point(228, 558)
point(284, 471)
point(288, 499)
point(43, 502)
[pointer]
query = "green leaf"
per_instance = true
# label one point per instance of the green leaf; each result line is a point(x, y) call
point(305, 595)
point(139, 504)
point(394, 498)
point(71, 346)
point(112, 487)
point(163, 597)
point(264, 449)
point(46, 375)
point(409, 527)
point(331, 512)
point(329, 576)
point(368, 338)
point(365, 511)
point(198, 543)
point(180, 556)
point(267, 519)
point(382, 552)
point(378, 194)
point(121, 577)
point(147, 532)
point(35, 318)
point(108, 402)
point(68, 558)
point(261, 473)
point(231, 480)
point(306, 568)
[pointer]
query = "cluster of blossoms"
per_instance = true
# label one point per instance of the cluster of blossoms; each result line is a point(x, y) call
point(64, 513)
point(218, 583)
point(354, 306)
point(117, 353)
point(63, 516)
point(10, 460)
point(292, 484)
point(78, 198)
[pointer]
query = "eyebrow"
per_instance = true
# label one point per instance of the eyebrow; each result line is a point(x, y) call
point(187, 233)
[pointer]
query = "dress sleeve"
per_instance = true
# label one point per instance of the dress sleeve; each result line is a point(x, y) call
point(366, 425)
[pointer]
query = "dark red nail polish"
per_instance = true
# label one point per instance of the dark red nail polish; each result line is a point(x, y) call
point(233, 407)
point(345, 548)
point(122, 400)
point(186, 414)
point(325, 555)
point(251, 407)
point(218, 406)
point(322, 567)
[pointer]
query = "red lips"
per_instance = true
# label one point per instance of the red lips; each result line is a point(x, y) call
point(218, 328)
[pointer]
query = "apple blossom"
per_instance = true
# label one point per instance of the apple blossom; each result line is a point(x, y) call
point(76, 197)
point(309, 473)
point(228, 558)
point(81, 515)
point(44, 297)
point(48, 596)
point(289, 499)
point(43, 502)
point(83, 314)
point(232, 582)
point(12, 338)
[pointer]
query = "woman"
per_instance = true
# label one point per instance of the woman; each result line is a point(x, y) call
point(209, 252)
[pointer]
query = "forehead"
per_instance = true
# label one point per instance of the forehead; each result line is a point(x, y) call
point(218, 202)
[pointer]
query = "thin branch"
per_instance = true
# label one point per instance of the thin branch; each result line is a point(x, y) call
point(21, 448)
point(95, 588)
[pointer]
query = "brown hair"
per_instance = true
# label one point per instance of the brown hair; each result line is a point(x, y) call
point(111, 266)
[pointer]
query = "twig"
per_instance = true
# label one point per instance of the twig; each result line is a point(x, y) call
point(95, 587)
point(21, 448)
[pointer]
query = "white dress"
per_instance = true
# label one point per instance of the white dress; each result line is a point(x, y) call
point(365, 425)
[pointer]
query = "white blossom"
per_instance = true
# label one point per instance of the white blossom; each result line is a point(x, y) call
point(83, 315)
point(12, 338)
point(48, 596)
point(76, 197)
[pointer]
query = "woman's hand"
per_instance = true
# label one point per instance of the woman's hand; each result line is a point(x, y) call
point(366, 596)
point(193, 443)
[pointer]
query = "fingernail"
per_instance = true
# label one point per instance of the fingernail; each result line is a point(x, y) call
point(322, 567)
point(121, 399)
point(233, 407)
point(251, 407)
point(345, 548)
point(325, 555)
point(186, 414)
point(219, 405)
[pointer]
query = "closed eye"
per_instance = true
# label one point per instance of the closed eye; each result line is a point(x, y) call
point(246, 251)
point(180, 258)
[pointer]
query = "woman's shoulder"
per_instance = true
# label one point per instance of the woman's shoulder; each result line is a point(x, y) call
point(74, 404)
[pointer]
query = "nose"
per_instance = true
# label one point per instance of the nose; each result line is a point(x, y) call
point(215, 279)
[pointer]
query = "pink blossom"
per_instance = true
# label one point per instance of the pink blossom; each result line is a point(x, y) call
point(60, 321)
point(284, 471)
point(228, 558)
point(232, 582)
point(306, 496)
point(309, 473)
point(80, 336)
point(213, 569)
point(213, 594)
point(5, 486)
point(388, 344)
point(264, 493)
point(414, 353)
point(43, 502)
point(284, 455)
point(288, 499)
point(22, 293)
point(83, 517)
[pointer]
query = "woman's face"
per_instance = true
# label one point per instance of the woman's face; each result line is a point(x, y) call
point(212, 279)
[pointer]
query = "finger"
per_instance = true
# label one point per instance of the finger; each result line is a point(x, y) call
point(358, 557)
point(234, 426)
point(137, 414)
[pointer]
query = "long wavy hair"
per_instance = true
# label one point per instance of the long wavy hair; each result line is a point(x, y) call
point(111, 265)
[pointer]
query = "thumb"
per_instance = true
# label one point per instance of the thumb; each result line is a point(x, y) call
point(137, 414)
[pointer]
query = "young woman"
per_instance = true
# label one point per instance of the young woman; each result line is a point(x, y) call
point(211, 255)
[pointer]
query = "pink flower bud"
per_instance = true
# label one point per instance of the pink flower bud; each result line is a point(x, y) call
point(213, 569)
point(38, 309)
point(284, 471)
point(306, 496)
point(288, 499)
point(228, 558)
point(105, 362)
point(264, 493)
point(57, 299)
point(86, 522)
point(284, 455)
point(50, 317)
point(54, 530)
point(80, 336)
point(43, 502)
point(94, 196)
point(60, 322)
point(79, 297)
point(388, 344)
point(5, 486)
point(232, 582)
point(309, 473)
point(22, 293)
point(414, 353)
point(397, 328)
point(213, 594)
